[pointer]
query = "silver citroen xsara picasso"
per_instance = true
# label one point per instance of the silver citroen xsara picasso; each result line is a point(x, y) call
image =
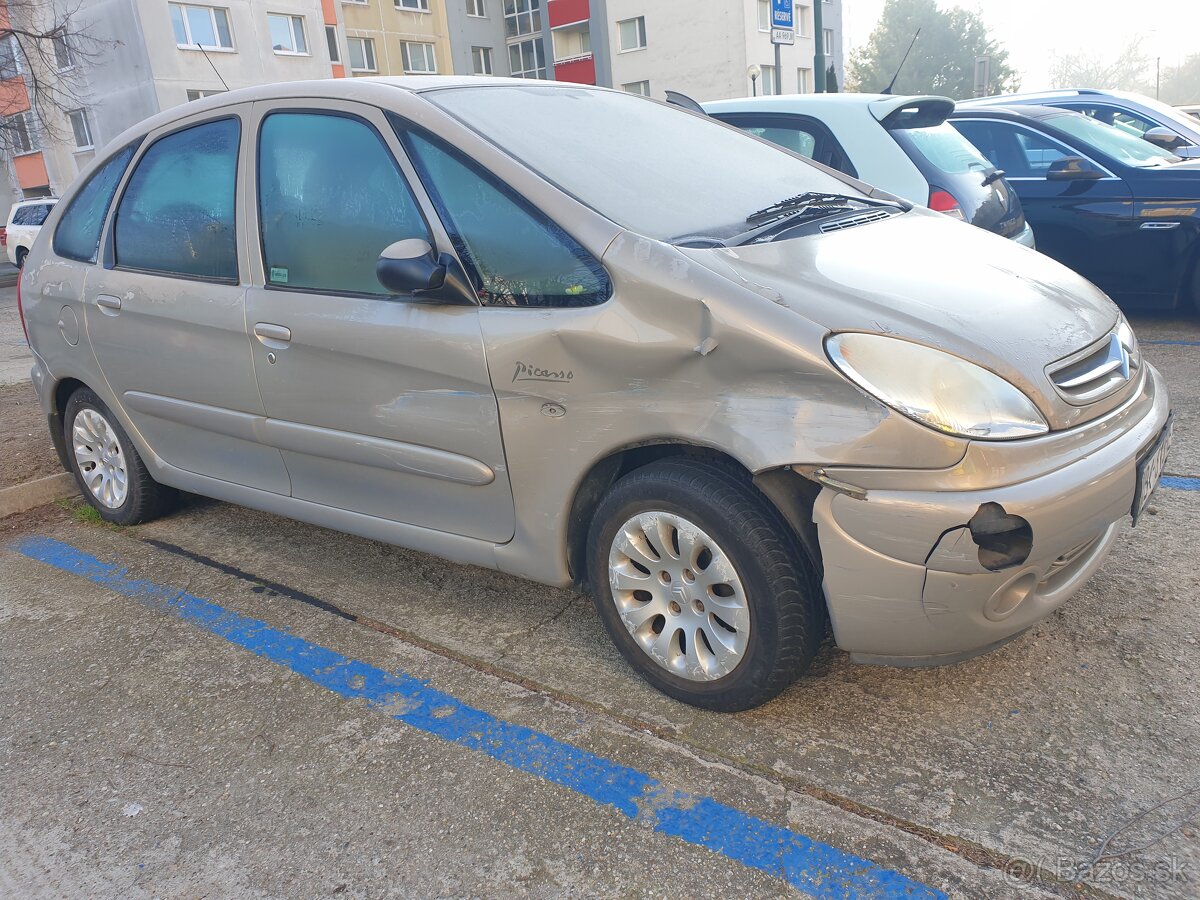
point(584, 337)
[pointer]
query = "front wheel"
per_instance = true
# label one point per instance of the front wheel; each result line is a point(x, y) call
point(107, 467)
point(702, 585)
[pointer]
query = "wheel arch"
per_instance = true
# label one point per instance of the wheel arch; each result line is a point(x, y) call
point(790, 493)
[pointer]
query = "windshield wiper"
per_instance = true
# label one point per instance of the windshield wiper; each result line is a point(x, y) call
point(812, 200)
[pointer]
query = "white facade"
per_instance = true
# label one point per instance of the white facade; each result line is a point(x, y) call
point(704, 48)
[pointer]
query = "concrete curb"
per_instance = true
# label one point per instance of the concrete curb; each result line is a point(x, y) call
point(21, 497)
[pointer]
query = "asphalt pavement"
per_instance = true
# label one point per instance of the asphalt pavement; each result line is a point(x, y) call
point(226, 703)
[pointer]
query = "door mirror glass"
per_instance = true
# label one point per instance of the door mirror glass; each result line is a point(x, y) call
point(1073, 168)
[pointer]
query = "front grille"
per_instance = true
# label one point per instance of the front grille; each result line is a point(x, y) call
point(861, 219)
point(1098, 370)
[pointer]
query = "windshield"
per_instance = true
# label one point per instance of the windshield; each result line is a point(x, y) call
point(945, 149)
point(1126, 148)
point(651, 168)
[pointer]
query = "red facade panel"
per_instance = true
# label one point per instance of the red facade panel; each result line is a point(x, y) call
point(564, 12)
point(579, 71)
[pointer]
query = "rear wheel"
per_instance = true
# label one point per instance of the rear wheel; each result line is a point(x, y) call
point(702, 585)
point(21, 254)
point(107, 467)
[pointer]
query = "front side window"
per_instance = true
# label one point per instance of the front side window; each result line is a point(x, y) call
point(481, 60)
point(206, 26)
point(633, 33)
point(176, 216)
point(78, 233)
point(324, 223)
point(527, 59)
point(362, 54)
point(652, 168)
point(516, 257)
point(522, 17)
point(1114, 141)
point(287, 34)
point(418, 58)
point(82, 128)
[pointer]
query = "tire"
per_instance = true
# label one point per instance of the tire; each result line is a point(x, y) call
point(751, 587)
point(21, 254)
point(99, 451)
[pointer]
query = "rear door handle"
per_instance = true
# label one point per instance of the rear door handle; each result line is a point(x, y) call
point(108, 302)
point(274, 336)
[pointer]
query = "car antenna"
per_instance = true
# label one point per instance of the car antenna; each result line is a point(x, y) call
point(892, 83)
point(218, 74)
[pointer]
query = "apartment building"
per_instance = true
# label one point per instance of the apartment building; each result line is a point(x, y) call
point(130, 59)
point(397, 37)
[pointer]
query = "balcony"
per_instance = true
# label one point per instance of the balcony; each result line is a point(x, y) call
point(566, 12)
point(580, 70)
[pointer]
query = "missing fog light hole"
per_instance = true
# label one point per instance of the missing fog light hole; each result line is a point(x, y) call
point(1004, 540)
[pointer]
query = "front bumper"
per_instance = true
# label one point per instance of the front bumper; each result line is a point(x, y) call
point(903, 578)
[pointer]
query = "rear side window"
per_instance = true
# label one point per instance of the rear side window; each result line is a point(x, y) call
point(324, 220)
point(33, 214)
point(78, 233)
point(516, 256)
point(176, 215)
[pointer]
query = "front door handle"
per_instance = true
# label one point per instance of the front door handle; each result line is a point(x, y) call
point(274, 336)
point(109, 305)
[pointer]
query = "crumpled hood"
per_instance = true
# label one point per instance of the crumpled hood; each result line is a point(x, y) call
point(925, 278)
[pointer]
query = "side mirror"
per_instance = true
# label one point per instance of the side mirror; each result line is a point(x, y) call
point(1073, 168)
point(1164, 137)
point(411, 267)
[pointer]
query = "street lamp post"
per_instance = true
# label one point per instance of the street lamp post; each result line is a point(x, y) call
point(754, 71)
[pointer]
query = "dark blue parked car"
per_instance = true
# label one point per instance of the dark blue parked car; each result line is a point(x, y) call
point(1117, 209)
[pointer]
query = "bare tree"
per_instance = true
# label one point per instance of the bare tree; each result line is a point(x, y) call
point(1126, 72)
point(45, 44)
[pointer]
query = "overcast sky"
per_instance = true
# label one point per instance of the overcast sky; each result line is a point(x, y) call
point(1034, 31)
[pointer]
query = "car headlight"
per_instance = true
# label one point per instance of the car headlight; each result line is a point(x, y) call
point(935, 388)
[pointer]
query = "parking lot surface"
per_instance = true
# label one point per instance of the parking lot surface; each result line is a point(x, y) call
point(226, 703)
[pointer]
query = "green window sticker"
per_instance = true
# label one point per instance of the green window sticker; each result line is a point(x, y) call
point(279, 273)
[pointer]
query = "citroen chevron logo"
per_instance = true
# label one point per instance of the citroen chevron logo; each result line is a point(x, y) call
point(1118, 354)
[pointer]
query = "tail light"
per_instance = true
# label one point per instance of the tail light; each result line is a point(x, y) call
point(943, 202)
point(20, 308)
point(3, 236)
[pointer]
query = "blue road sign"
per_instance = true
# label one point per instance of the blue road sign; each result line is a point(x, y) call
point(781, 14)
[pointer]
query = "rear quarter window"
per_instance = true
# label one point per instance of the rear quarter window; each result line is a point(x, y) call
point(78, 233)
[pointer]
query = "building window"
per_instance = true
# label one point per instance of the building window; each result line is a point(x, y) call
point(571, 43)
point(63, 58)
point(18, 136)
point(527, 59)
point(206, 26)
point(414, 5)
point(637, 87)
point(477, 9)
point(481, 60)
point(804, 81)
point(829, 42)
point(764, 15)
point(362, 54)
point(9, 67)
point(522, 17)
point(82, 129)
point(770, 84)
point(331, 38)
point(287, 35)
point(633, 33)
point(418, 58)
point(201, 93)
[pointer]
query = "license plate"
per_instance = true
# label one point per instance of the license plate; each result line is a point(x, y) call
point(1150, 469)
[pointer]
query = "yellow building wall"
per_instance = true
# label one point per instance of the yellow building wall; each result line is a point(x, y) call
point(388, 26)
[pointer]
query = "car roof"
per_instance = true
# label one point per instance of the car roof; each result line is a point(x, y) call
point(34, 200)
point(1013, 111)
point(790, 101)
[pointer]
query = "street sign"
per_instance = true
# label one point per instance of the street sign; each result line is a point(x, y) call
point(783, 25)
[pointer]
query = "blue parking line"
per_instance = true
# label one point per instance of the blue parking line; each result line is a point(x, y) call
point(1180, 482)
point(1173, 343)
point(815, 868)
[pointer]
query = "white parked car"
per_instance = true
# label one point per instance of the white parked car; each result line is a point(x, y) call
point(902, 145)
point(24, 222)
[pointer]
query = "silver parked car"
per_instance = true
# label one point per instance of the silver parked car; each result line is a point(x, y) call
point(581, 336)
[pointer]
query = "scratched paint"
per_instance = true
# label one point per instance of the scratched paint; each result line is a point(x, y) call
point(816, 868)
